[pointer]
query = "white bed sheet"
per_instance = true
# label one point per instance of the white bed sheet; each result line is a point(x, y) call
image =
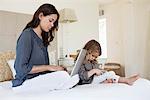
point(139, 91)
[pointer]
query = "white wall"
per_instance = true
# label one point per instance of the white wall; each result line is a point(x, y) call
point(11, 24)
point(84, 29)
point(147, 70)
point(128, 35)
point(140, 30)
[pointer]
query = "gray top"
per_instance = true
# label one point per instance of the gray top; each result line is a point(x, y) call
point(83, 72)
point(30, 51)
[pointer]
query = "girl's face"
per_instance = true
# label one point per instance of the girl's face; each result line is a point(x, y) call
point(47, 22)
point(92, 56)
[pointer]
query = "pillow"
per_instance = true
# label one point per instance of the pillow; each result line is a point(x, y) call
point(11, 65)
point(5, 71)
point(2, 78)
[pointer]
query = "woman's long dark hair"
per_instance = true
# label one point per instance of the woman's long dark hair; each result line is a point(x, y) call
point(46, 9)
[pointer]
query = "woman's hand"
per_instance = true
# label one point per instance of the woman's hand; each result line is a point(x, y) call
point(56, 68)
point(42, 68)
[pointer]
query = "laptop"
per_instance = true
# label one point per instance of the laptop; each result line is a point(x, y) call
point(78, 62)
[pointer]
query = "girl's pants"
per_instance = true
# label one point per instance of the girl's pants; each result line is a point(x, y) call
point(105, 76)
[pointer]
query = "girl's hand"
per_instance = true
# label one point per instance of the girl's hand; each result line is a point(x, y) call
point(95, 72)
point(102, 71)
point(99, 72)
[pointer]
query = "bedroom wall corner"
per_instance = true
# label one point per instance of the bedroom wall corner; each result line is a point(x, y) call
point(127, 34)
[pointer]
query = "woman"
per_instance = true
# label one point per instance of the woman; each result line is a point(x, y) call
point(31, 53)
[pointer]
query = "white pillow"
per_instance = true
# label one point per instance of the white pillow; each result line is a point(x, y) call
point(11, 65)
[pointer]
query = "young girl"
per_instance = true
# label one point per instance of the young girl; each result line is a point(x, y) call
point(91, 73)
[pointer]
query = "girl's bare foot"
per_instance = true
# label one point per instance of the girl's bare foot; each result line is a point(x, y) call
point(132, 79)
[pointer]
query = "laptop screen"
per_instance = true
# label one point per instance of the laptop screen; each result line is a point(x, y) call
point(78, 62)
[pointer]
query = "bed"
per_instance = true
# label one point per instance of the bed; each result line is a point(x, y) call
point(139, 91)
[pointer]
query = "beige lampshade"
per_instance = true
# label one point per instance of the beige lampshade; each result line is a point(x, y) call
point(67, 15)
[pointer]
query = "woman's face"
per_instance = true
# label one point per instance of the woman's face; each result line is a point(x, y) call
point(47, 22)
point(92, 56)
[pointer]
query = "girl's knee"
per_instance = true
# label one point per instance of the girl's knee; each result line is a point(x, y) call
point(112, 72)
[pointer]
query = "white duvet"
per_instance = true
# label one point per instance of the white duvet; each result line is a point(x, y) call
point(139, 91)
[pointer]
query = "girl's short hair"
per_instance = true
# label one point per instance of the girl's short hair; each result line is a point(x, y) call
point(93, 46)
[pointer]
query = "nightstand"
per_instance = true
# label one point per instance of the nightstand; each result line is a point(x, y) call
point(113, 67)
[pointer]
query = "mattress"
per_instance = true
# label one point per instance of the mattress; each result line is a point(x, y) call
point(140, 90)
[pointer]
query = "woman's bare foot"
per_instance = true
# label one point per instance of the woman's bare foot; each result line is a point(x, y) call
point(132, 79)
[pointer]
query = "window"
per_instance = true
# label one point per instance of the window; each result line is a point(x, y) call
point(102, 37)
